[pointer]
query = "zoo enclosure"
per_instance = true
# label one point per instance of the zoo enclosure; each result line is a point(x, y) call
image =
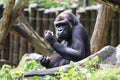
point(42, 19)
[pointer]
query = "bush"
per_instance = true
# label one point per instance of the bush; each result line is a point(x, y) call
point(88, 72)
point(49, 3)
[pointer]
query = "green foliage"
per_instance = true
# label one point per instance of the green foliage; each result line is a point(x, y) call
point(3, 1)
point(89, 71)
point(31, 65)
point(8, 73)
point(108, 74)
point(78, 73)
point(50, 3)
point(5, 73)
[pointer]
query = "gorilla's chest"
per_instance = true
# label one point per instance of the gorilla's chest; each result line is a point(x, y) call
point(65, 43)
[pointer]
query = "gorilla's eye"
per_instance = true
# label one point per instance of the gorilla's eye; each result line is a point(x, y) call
point(61, 24)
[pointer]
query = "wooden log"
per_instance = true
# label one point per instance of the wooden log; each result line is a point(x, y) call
point(11, 48)
point(32, 15)
point(39, 22)
point(108, 36)
point(114, 30)
point(6, 48)
point(82, 17)
point(93, 11)
point(88, 18)
point(32, 20)
point(31, 35)
point(102, 55)
point(23, 42)
point(10, 16)
point(23, 47)
point(4, 27)
point(45, 20)
point(16, 50)
point(100, 32)
point(26, 14)
point(52, 16)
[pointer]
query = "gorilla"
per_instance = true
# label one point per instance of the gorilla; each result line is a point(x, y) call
point(72, 42)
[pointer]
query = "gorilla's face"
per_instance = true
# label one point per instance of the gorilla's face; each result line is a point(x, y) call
point(63, 30)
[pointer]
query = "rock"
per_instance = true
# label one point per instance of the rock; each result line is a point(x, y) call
point(27, 57)
point(112, 61)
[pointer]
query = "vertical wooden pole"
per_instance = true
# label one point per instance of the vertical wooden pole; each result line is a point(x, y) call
point(100, 32)
point(52, 17)
point(114, 30)
point(39, 22)
point(45, 20)
point(32, 20)
point(93, 11)
point(82, 17)
point(16, 49)
point(88, 18)
point(11, 47)
point(6, 47)
point(23, 43)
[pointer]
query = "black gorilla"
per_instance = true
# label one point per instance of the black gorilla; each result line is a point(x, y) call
point(72, 42)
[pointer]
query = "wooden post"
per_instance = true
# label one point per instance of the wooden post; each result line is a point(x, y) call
point(45, 20)
point(82, 17)
point(16, 49)
point(39, 22)
point(100, 32)
point(32, 15)
point(11, 48)
point(6, 48)
point(52, 16)
point(88, 18)
point(93, 11)
point(4, 22)
point(23, 43)
point(32, 20)
point(114, 30)
point(23, 48)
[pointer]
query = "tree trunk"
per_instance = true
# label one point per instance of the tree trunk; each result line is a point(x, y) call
point(4, 23)
point(100, 32)
point(10, 16)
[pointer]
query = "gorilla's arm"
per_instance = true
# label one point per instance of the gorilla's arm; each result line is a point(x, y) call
point(75, 52)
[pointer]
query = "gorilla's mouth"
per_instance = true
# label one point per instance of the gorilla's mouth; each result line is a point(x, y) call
point(59, 37)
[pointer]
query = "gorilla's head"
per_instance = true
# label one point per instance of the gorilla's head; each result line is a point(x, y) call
point(64, 23)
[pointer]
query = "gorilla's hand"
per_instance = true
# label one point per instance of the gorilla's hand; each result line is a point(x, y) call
point(48, 35)
point(44, 61)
